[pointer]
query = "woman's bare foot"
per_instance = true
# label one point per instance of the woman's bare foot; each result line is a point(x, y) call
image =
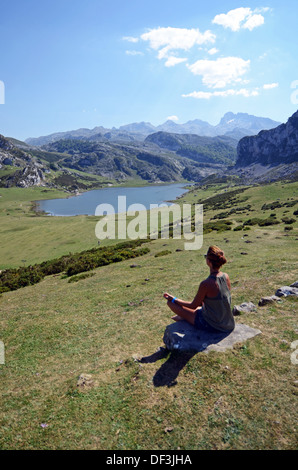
point(177, 318)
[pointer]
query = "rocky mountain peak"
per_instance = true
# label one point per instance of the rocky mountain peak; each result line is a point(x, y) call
point(4, 143)
point(275, 146)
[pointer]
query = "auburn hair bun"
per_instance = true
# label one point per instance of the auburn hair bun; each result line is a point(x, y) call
point(216, 256)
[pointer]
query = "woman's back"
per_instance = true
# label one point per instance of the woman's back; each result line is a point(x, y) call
point(217, 304)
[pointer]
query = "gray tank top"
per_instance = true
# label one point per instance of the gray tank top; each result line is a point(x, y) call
point(217, 310)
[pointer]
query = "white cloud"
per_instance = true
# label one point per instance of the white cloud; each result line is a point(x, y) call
point(134, 53)
point(206, 95)
point(213, 51)
point(172, 118)
point(169, 39)
point(269, 86)
point(130, 39)
point(241, 18)
point(219, 73)
point(163, 53)
point(254, 21)
point(223, 94)
point(232, 19)
point(171, 61)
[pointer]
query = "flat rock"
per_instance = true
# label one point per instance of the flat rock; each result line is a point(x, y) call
point(286, 290)
point(182, 336)
point(268, 300)
point(245, 307)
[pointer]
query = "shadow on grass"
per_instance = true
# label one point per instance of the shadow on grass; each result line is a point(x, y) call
point(169, 371)
point(190, 342)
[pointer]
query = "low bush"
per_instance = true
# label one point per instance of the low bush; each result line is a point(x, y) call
point(288, 221)
point(235, 210)
point(269, 221)
point(12, 279)
point(79, 277)
point(278, 204)
point(162, 253)
point(224, 200)
point(262, 222)
point(219, 226)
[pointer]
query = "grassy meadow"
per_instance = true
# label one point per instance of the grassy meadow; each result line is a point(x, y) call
point(110, 325)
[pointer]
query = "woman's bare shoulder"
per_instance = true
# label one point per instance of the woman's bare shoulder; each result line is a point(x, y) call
point(204, 284)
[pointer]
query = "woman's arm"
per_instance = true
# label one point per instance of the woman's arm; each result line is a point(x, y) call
point(197, 301)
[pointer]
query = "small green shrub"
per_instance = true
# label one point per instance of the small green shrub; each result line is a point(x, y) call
point(79, 277)
point(269, 221)
point(261, 222)
point(219, 226)
point(162, 253)
point(288, 221)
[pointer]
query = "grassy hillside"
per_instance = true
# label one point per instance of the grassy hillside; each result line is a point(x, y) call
point(103, 324)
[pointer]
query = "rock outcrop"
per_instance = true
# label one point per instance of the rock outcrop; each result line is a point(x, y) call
point(29, 176)
point(182, 336)
point(24, 170)
point(270, 147)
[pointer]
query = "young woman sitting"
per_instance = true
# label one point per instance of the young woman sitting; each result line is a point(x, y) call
point(210, 310)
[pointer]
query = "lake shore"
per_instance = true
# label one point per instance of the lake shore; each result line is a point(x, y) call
point(50, 207)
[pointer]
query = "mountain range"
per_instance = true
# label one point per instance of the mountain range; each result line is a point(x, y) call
point(233, 125)
point(86, 159)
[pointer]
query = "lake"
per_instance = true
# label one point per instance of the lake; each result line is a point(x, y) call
point(87, 202)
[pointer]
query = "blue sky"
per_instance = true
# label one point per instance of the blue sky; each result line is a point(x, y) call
point(68, 64)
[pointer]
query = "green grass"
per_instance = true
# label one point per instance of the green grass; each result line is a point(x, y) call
point(55, 330)
point(28, 238)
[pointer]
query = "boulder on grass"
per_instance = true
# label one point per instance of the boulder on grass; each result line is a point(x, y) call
point(245, 307)
point(286, 290)
point(268, 300)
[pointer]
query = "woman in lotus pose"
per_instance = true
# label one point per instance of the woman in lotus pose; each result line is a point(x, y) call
point(210, 310)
